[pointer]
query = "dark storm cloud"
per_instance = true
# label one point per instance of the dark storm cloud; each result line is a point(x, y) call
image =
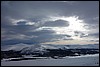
point(57, 23)
point(38, 12)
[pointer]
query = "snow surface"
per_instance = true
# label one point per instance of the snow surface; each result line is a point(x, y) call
point(85, 60)
point(42, 47)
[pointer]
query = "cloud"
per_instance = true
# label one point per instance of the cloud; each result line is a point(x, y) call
point(33, 37)
point(96, 35)
point(57, 23)
point(17, 41)
point(80, 34)
point(36, 9)
point(23, 22)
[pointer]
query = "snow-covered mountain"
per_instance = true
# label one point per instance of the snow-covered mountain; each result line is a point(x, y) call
point(41, 47)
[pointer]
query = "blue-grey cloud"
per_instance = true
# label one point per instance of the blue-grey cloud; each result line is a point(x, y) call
point(81, 34)
point(96, 35)
point(22, 23)
point(38, 12)
point(57, 23)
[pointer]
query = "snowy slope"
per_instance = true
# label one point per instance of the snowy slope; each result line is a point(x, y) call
point(41, 47)
point(32, 48)
point(86, 60)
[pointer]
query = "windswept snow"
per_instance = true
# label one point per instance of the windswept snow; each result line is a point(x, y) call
point(85, 60)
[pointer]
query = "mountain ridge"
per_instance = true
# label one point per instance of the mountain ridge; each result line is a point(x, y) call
point(42, 47)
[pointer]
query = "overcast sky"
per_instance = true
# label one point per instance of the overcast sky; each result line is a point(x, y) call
point(49, 22)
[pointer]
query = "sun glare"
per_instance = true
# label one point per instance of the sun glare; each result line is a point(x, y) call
point(75, 24)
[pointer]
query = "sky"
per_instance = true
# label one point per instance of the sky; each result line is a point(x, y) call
point(49, 22)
